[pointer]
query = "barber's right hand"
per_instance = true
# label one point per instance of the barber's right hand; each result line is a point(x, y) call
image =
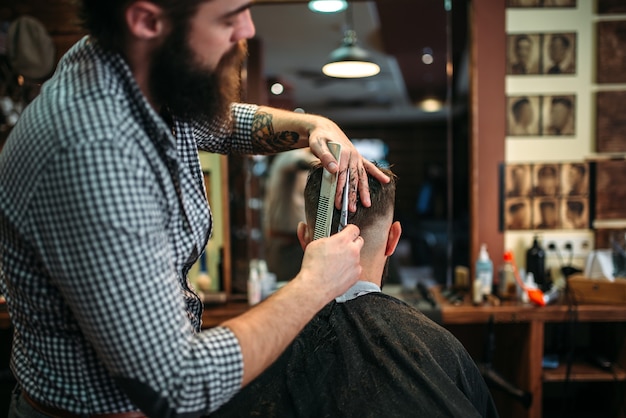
point(333, 263)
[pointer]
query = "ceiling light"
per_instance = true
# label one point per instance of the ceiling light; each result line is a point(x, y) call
point(350, 60)
point(328, 6)
point(427, 56)
point(430, 104)
point(277, 89)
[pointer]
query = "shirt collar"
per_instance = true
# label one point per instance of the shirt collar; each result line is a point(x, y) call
point(360, 288)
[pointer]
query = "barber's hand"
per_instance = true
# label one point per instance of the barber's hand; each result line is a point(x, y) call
point(327, 131)
point(334, 262)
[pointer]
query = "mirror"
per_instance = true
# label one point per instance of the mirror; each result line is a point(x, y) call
point(427, 150)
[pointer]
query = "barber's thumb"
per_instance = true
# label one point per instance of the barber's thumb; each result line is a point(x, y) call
point(352, 231)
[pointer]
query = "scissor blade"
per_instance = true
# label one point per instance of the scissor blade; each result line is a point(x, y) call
point(343, 219)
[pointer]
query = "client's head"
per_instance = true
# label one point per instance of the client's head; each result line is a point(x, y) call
point(380, 233)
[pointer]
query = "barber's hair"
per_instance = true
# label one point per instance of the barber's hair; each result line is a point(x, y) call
point(104, 19)
point(382, 196)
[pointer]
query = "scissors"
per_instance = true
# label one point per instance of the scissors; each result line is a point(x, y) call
point(343, 219)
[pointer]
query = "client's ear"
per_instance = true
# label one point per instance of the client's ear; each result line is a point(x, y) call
point(303, 234)
point(393, 237)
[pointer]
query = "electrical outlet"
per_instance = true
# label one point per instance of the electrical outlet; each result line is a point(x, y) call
point(572, 246)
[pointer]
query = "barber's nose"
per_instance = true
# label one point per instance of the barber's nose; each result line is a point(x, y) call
point(246, 29)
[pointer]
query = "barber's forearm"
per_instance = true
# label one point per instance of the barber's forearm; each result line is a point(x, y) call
point(277, 130)
point(267, 329)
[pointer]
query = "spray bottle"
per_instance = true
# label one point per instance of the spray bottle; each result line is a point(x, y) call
point(483, 281)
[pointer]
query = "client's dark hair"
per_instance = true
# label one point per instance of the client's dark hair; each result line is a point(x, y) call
point(382, 197)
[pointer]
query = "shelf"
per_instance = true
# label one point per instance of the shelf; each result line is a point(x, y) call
point(583, 372)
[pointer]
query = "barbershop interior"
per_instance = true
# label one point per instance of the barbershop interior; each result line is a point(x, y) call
point(504, 122)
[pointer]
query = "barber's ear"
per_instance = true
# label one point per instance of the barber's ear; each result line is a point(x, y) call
point(303, 234)
point(393, 237)
point(145, 20)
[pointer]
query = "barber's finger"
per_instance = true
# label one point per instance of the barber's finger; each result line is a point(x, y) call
point(326, 157)
point(341, 182)
point(361, 184)
point(374, 171)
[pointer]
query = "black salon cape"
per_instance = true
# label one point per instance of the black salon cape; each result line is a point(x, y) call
point(373, 356)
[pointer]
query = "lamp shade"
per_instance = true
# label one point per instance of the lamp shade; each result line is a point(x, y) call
point(328, 6)
point(350, 60)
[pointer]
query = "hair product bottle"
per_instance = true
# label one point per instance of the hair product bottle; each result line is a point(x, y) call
point(484, 272)
point(536, 263)
point(508, 283)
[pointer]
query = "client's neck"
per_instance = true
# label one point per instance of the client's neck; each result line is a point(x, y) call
point(372, 268)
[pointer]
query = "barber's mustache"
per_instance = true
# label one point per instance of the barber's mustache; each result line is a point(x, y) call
point(235, 56)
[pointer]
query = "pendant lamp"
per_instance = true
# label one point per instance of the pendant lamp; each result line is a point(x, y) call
point(328, 6)
point(350, 60)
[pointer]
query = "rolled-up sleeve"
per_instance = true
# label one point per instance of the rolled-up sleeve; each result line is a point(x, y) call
point(232, 136)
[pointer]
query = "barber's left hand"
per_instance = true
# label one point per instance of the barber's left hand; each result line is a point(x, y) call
point(326, 131)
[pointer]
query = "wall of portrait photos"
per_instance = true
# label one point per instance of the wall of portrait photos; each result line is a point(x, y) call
point(565, 95)
point(546, 196)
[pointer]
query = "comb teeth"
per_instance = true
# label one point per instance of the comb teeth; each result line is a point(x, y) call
point(322, 227)
point(325, 207)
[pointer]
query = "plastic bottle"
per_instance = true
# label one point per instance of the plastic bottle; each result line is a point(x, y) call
point(536, 263)
point(203, 280)
point(508, 283)
point(530, 284)
point(254, 283)
point(484, 271)
point(477, 292)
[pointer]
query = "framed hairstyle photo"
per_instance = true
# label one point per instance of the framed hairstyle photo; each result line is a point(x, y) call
point(611, 55)
point(559, 53)
point(546, 180)
point(523, 54)
point(575, 179)
point(558, 115)
point(605, 7)
point(523, 115)
point(540, 3)
point(559, 3)
point(523, 3)
point(546, 214)
point(610, 203)
point(610, 121)
point(518, 181)
point(575, 213)
point(518, 214)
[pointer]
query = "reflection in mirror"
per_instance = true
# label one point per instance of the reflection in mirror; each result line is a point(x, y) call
point(414, 43)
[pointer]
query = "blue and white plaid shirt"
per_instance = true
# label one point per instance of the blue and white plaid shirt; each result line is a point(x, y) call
point(102, 213)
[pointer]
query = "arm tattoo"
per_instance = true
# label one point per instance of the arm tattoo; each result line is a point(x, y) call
point(265, 140)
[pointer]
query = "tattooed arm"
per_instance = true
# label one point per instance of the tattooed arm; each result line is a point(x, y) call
point(275, 130)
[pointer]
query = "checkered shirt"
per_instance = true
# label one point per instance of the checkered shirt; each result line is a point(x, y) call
point(102, 212)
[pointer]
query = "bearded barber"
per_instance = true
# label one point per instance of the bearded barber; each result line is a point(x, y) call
point(103, 211)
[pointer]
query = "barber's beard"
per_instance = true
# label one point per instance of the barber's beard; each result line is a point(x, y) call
point(187, 89)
